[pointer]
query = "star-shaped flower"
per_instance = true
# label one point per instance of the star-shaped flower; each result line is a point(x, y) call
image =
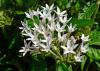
point(46, 44)
point(32, 13)
point(60, 28)
point(52, 26)
point(78, 57)
point(48, 8)
point(84, 48)
point(61, 38)
point(85, 39)
point(26, 48)
point(71, 28)
point(59, 13)
point(69, 48)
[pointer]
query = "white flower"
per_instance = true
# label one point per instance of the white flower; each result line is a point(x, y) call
point(64, 19)
point(78, 57)
point(49, 9)
point(70, 47)
point(85, 39)
point(45, 31)
point(51, 18)
point(35, 13)
point(37, 28)
point(24, 27)
point(84, 48)
point(62, 16)
point(43, 14)
point(26, 48)
point(48, 39)
point(26, 31)
point(60, 28)
point(46, 13)
point(45, 48)
point(30, 14)
point(71, 28)
point(46, 45)
point(67, 50)
point(73, 39)
point(52, 26)
point(62, 37)
point(59, 13)
point(34, 39)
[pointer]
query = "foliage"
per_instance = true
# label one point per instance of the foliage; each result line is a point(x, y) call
point(4, 19)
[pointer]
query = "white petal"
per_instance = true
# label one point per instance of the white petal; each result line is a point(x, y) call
point(66, 52)
point(21, 50)
point(65, 48)
point(62, 13)
point(58, 10)
point(73, 39)
point(69, 44)
point(27, 15)
point(43, 46)
point(75, 46)
point(43, 40)
point(24, 53)
point(51, 7)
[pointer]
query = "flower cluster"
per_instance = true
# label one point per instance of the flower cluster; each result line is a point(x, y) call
point(53, 34)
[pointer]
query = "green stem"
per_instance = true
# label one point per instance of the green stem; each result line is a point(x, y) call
point(96, 11)
point(53, 53)
point(60, 56)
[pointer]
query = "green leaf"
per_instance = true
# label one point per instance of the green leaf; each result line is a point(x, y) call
point(77, 6)
point(83, 63)
point(36, 19)
point(88, 12)
point(12, 42)
point(5, 19)
point(82, 22)
point(30, 23)
point(95, 38)
point(94, 54)
point(70, 68)
point(19, 12)
point(98, 64)
point(19, 2)
point(62, 67)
